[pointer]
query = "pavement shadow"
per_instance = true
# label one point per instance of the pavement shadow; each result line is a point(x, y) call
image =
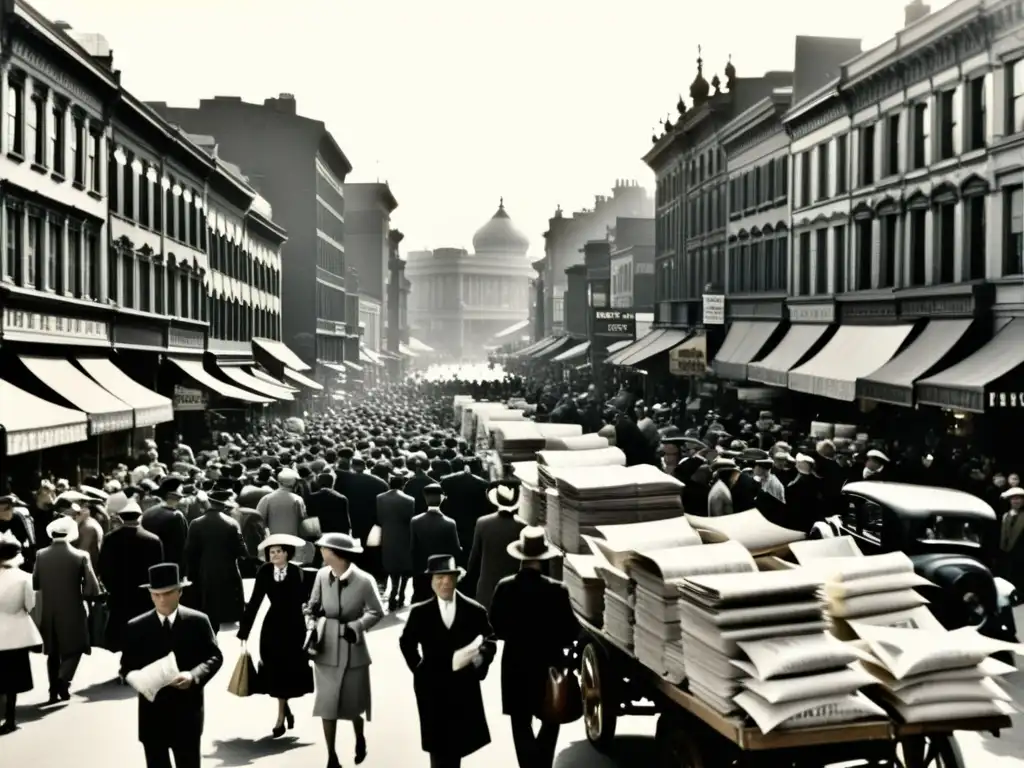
point(625, 750)
point(245, 751)
point(390, 620)
point(108, 690)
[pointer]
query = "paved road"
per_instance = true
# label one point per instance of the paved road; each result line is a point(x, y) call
point(97, 728)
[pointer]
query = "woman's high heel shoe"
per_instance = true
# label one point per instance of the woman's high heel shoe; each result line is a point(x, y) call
point(289, 718)
point(278, 732)
point(360, 749)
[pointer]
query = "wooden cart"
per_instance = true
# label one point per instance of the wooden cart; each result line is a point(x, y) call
point(692, 735)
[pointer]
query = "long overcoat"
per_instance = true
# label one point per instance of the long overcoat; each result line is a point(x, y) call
point(125, 560)
point(64, 577)
point(453, 722)
point(395, 511)
point(212, 551)
point(489, 560)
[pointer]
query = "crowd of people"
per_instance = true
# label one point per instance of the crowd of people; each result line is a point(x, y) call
point(380, 502)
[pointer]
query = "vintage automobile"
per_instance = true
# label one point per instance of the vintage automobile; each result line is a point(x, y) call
point(951, 537)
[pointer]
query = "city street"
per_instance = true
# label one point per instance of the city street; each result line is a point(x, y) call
point(98, 727)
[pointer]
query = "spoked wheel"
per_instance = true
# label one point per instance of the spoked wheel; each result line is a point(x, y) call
point(936, 750)
point(678, 745)
point(600, 709)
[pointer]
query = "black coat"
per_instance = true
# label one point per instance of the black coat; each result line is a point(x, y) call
point(284, 671)
point(414, 487)
point(453, 722)
point(173, 717)
point(432, 533)
point(465, 502)
point(804, 503)
point(125, 558)
point(696, 490)
point(170, 526)
point(362, 490)
point(331, 509)
point(212, 551)
point(395, 511)
point(745, 492)
point(533, 615)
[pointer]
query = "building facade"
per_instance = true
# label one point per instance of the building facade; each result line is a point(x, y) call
point(631, 263)
point(309, 205)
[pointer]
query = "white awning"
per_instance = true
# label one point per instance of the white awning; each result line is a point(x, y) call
point(150, 408)
point(574, 352)
point(353, 366)
point(336, 367)
point(368, 355)
point(106, 413)
point(406, 351)
point(195, 371)
point(512, 329)
point(280, 352)
point(264, 376)
point(304, 381)
point(33, 424)
point(613, 348)
point(418, 346)
point(248, 381)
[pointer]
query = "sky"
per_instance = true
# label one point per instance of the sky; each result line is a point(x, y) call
point(457, 103)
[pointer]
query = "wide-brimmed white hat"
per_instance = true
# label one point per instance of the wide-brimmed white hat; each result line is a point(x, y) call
point(287, 477)
point(532, 545)
point(280, 540)
point(63, 528)
point(878, 456)
point(504, 494)
point(1010, 493)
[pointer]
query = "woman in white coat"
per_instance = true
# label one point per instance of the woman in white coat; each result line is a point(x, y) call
point(18, 632)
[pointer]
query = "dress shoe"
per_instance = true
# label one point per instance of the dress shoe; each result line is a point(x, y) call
point(8, 727)
point(65, 693)
point(278, 732)
point(360, 749)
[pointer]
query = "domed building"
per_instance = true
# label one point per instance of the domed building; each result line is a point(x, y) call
point(459, 301)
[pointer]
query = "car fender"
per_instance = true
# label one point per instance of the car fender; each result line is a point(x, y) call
point(954, 575)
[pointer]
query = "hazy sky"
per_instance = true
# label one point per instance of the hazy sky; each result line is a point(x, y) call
point(459, 102)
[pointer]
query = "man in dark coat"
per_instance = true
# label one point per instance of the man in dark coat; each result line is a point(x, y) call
point(453, 723)
point(431, 533)
point(167, 521)
point(414, 485)
point(533, 615)
point(395, 511)
point(489, 560)
point(362, 489)
point(465, 502)
point(212, 551)
point(127, 555)
point(329, 506)
point(804, 497)
point(173, 721)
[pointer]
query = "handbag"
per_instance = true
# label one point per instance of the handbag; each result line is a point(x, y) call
point(374, 536)
point(314, 637)
point(563, 702)
point(99, 617)
point(243, 677)
point(309, 528)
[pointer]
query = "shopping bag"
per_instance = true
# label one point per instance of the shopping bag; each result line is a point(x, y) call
point(563, 702)
point(99, 616)
point(243, 677)
point(374, 537)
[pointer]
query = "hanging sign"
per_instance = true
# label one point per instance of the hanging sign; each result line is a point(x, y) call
point(1006, 399)
point(614, 323)
point(714, 309)
point(186, 399)
point(689, 358)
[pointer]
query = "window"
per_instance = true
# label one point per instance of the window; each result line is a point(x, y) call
point(91, 266)
point(920, 154)
point(33, 252)
point(976, 117)
point(145, 187)
point(917, 220)
point(887, 251)
point(864, 248)
point(145, 269)
point(77, 153)
point(15, 137)
point(974, 218)
point(95, 162)
point(947, 102)
point(867, 155)
point(839, 259)
point(805, 178)
point(804, 265)
point(127, 281)
point(77, 279)
point(842, 161)
point(113, 185)
point(1015, 95)
point(12, 264)
point(35, 134)
point(1013, 237)
point(172, 220)
point(57, 140)
point(945, 216)
point(129, 173)
point(54, 263)
point(892, 145)
point(823, 171)
point(821, 262)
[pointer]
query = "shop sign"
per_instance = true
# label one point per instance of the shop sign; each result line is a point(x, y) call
point(181, 338)
point(714, 309)
point(186, 399)
point(1006, 399)
point(689, 358)
point(32, 440)
point(614, 323)
point(20, 325)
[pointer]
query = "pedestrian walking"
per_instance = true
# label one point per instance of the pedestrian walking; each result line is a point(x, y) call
point(343, 606)
point(167, 521)
point(432, 533)
point(489, 560)
point(533, 615)
point(284, 671)
point(283, 509)
point(18, 632)
point(173, 722)
point(212, 550)
point(395, 511)
point(453, 723)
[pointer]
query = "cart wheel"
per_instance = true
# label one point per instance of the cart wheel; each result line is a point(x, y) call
point(678, 746)
point(936, 750)
point(600, 709)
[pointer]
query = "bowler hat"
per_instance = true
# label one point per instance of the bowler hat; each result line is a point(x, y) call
point(165, 577)
point(170, 486)
point(440, 565)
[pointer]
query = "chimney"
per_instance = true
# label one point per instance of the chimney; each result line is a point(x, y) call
point(915, 11)
point(61, 26)
point(284, 103)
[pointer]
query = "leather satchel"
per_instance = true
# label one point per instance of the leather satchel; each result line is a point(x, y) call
point(563, 702)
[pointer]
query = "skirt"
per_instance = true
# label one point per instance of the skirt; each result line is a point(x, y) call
point(341, 694)
point(15, 671)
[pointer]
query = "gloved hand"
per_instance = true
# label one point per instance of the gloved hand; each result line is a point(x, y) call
point(349, 635)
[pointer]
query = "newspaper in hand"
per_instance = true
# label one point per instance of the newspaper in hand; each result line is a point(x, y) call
point(149, 680)
point(467, 655)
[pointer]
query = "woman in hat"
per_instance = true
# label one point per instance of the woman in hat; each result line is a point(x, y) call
point(13, 523)
point(533, 615)
point(18, 632)
point(284, 671)
point(344, 604)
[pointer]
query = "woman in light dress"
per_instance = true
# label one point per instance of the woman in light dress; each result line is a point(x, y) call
point(18, 632)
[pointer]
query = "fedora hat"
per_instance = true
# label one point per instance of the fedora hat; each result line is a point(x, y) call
point(504, 494)
point(532, 545)
point(440, 565)
point(170, 486)
point(341, 543)
point(280, 540)
point(63, 528)
point(10, 550)
point(165, 577)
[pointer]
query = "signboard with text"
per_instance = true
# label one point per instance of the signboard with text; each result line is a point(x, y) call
point(689, 358)
point(714, 309)
point(187, 399)
point(612, 323)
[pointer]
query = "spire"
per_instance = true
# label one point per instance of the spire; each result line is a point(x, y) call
point(699, 88)
point(501, 203)
point(730, 74)
point(681, 105)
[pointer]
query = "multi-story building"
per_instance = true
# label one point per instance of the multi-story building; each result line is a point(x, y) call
point(631, 263)
point(310, 205)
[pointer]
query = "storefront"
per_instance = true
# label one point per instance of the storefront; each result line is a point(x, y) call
point(755, 327)
point(280, 362)
point(810, 327)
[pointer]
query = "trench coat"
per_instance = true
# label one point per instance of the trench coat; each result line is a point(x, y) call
point(489, 560)
point(453, 722)
point(212, 551)
point(283, 510)
point(64, 577)
point(395, 511)
point(125, 560)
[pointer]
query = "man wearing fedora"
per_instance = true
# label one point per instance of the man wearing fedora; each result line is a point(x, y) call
point(167, 521)
point(173, 722)
point(489, 560)
point(453, 723)
point(533, 615)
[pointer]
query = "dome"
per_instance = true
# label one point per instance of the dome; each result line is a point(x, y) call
point(500, 235)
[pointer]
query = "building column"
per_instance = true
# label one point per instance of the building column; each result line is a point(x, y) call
point(930, 236)
point(64, 265)
point(876, 252)
point(24, 248)
point(961, 239)
point(83, 151)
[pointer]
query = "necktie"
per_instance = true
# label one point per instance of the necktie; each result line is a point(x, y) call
point(167, 628)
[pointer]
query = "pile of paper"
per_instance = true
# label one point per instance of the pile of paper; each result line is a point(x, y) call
point(657, 636)
point(590, 442)
point(553, 517)
point(929, 675)
point(750, 528)
point(718, 612)
point(585, 585)
point(514, 440)
point(556, 431)
point(547, 461)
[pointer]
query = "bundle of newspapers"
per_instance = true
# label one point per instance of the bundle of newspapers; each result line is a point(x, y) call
point(531, 497)
point(515, 440)
point(751, 529)
point(590, 442)
point(553, 517)
point(656, 574)
point(547, 461)
point(929, 675)
point(585, 586)
point(613, 545)
point(757, 642)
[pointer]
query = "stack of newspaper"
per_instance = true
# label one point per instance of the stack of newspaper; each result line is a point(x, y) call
point(531, 498)
point(515, 440)
point(553, 431)
point(656, 574)
point(717, 612)
point(601, 457)
point(585, 585)
point(751, 529)
point(590, 442)
point(929, 675)
point(553, 517)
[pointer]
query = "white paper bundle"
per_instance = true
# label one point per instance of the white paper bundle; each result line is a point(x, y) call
point(526, 472)
point(875, 604)
point(590, 442)
point(602, 457)
point(550, 429)
point(585, 586)
point(617, 620)
point(912, 618)
point(619, 542)
point(842, 569)
point(948, 710)
point(805, 552)
point(750, 615)
point(616, 581)
point(984, 689)
point(153, 677)
point(750, 528)
point(988, 668)
point(834, 683)
point(806, 713)
point(552, 517)
point(732, 589)
point(789, 656)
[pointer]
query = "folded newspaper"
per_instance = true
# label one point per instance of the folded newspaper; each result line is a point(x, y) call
point(153, 677)
point(466, 655)
point(825, 710)
point(750, 528)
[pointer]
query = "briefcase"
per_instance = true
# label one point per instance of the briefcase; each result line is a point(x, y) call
point(99, 616)
point(563, 702)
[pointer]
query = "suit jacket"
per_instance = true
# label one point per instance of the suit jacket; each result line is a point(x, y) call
point(64, 577)
point(395, 511)
point(331, 509)
point(350, 602)
point(489, 560)
point(170, 526)
point(719, 500)
point(362, 490)
point(212, 551)
point(465, 502)
point(432, 533)
point(174, 716)
point(414, 487)
point(125, 560)
point(283, 510)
